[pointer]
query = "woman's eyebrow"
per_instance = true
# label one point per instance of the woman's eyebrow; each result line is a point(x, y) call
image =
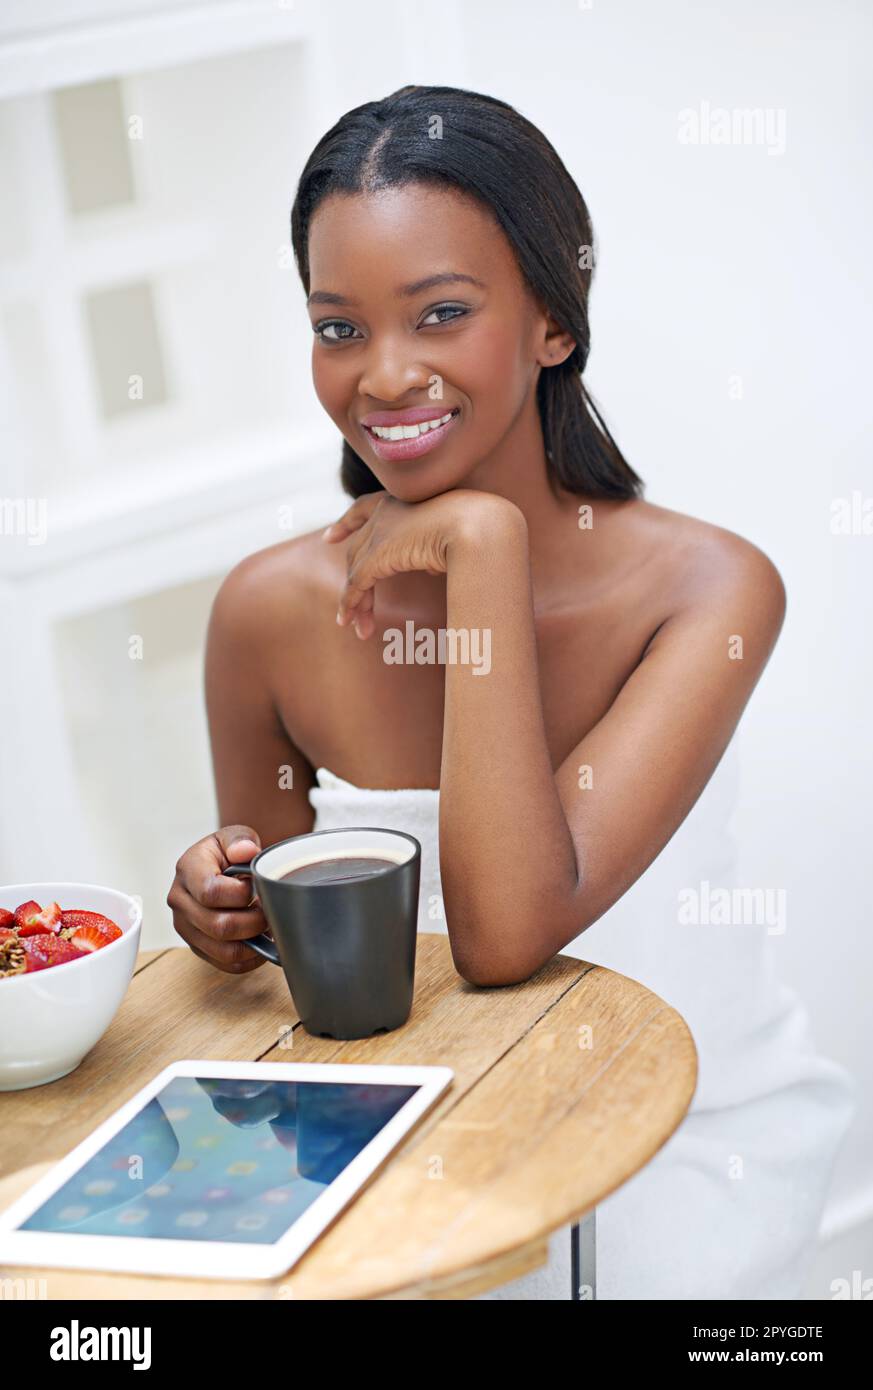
point(445, 277)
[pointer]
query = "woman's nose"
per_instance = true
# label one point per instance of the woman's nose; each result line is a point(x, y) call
point(390, 373)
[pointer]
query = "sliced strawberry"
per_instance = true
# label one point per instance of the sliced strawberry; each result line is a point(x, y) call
point(90, 938)
point(25, 912)
point(51, 918)
point(46, 919)
point(7, 919)
point(28, 929)
point(49, 950)
point(73, 919)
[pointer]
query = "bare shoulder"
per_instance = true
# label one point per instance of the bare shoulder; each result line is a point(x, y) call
point(278, 586)
point(703, 567)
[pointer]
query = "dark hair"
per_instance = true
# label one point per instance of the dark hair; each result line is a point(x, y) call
point(487, 150)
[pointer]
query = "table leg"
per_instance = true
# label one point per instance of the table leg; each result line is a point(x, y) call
point(583, 1258)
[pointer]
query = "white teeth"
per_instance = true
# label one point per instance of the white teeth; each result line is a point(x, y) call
point(409, 431)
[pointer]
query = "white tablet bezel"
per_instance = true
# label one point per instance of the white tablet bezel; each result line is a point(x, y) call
point(216, 1259)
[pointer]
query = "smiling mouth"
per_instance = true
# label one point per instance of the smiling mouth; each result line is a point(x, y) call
point(394, 432)
point(410, 441)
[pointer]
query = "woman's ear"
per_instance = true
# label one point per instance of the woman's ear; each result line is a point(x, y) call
point(556, 344)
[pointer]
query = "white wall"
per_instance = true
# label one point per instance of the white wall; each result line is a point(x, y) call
point(730, 336)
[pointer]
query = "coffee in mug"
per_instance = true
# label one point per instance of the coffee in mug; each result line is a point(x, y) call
point(343, 909)
point(337, 868)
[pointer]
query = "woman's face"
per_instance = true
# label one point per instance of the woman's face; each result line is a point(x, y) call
point(420, 310)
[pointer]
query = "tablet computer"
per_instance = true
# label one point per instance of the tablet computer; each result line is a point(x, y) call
point(222, 1170)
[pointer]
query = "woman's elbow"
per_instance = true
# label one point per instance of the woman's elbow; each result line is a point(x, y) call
point(489, 959)
point(491, 977)
point(490, 968)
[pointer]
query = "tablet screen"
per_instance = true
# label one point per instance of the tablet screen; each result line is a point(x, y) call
point(220, 1159)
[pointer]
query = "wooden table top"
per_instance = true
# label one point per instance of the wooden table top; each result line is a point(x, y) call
point(564, 1087)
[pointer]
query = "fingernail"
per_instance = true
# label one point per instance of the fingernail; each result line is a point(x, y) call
point(339, 618)
point(326, 532)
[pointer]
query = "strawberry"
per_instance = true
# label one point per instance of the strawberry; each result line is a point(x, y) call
point(45, 949)
point(7, 919)
point(31, 918)
point(73, 921)
point(90, 938)
point(25, 911)
point(7, 935)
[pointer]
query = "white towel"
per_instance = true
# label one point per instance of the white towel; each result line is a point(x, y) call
point(730, 1207)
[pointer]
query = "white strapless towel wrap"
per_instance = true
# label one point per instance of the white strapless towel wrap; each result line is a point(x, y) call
point(730, 1207)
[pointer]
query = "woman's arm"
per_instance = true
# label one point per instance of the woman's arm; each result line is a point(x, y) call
point(261, 778)
point(528, 860)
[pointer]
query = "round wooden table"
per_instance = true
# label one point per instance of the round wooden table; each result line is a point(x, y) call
point(564, 1087)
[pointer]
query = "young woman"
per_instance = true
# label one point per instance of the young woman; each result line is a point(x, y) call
point(613, 645)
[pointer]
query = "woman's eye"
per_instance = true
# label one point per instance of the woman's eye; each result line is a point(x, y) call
point(340, 331)
point(455, 310)
point(321, 330)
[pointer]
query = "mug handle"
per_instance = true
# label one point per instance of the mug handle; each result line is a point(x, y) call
point(263, 944)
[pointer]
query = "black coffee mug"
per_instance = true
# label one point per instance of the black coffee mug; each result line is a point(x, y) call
point(347, 948)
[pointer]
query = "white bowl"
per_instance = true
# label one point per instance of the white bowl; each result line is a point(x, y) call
point(51, 1018)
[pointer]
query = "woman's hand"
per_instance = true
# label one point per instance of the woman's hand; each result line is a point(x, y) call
point(212, 913)
point(393, 537)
